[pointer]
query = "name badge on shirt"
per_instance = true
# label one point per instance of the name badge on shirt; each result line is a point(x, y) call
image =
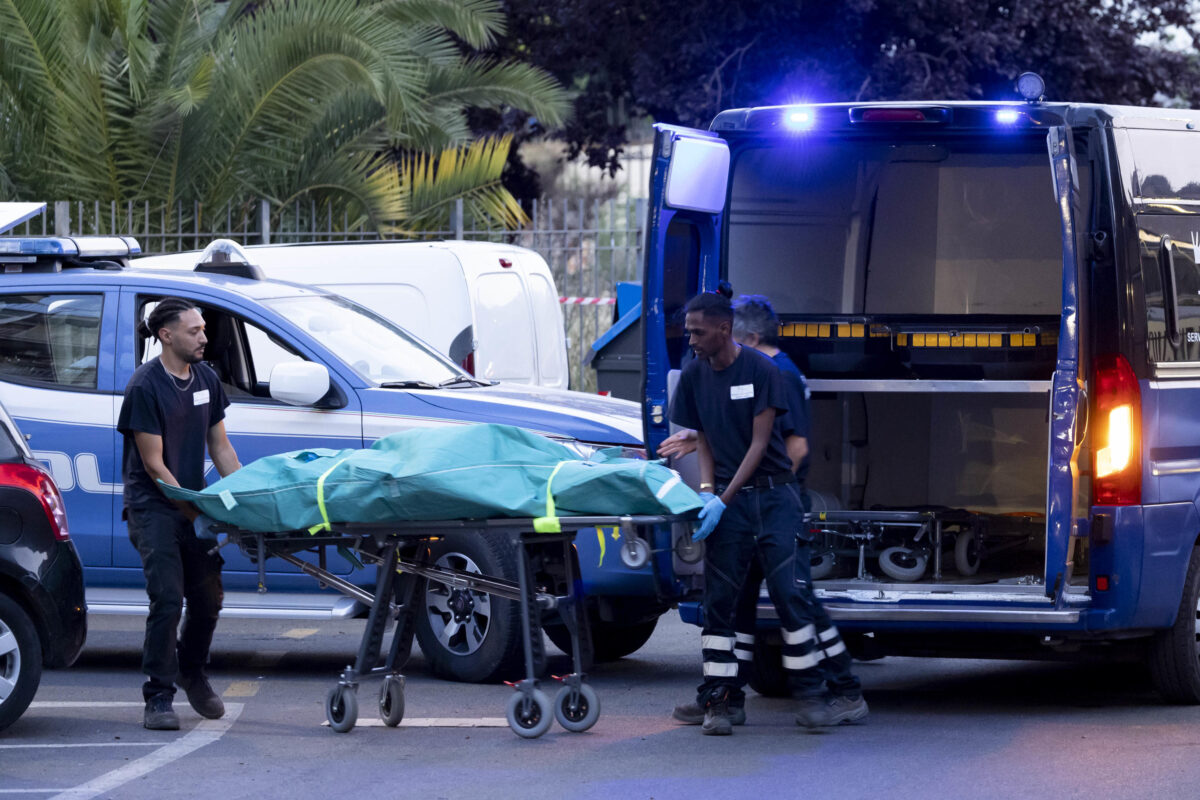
point(743, 392)
point(200, 397)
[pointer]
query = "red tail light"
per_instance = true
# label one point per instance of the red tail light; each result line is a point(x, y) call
point(468, 363)
point(1116, 438)
point(38, 482)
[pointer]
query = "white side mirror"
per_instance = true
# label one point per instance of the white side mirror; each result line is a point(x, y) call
point(299, 383)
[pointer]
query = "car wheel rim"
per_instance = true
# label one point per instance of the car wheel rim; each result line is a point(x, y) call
point(10, 661)
point(459, 618)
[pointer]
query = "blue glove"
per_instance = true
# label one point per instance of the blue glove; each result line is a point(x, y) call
point(710, 515)
point(202, 526)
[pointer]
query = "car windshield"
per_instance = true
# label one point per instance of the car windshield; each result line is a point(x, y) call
point(375, 348)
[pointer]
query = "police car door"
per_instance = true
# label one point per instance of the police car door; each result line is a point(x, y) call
point(688, 190)
point(1066, 393)
point(243, 352)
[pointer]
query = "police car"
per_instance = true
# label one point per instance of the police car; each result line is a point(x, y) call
point(302, 368)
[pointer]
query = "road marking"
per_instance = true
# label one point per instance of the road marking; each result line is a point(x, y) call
point(206, 732)
point(85, 704)
point(242, 689)
point(435, 722)
point(300, 633)
point(83, 744)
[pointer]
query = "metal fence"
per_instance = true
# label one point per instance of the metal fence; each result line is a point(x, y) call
point(590, 245)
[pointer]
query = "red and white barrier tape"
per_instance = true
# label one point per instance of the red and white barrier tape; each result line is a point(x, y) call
point(587, 301)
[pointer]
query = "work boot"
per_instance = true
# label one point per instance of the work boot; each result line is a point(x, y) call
point(717, 719)
point(202, 697)
point(821, 712)
point(693, 714)
point(159, 715)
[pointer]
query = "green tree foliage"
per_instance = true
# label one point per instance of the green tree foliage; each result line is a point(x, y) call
point(362, 102)
point(681, 61)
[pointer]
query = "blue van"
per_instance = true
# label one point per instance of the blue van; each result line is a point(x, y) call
point(997, 306)
point(303, 368)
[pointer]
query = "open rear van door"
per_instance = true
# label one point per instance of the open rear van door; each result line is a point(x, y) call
point(1067, 395)
point(688, 194)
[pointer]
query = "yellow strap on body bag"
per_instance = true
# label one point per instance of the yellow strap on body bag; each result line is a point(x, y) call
point(549, 523)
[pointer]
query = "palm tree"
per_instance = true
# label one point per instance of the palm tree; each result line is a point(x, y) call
point(211, 102)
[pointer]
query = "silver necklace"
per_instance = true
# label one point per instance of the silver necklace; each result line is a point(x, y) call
point(175, 381)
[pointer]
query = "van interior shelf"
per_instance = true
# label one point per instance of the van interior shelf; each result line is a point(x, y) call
point(919, 385)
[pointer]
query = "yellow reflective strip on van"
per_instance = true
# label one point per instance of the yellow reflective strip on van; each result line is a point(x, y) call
point(843, 330)
point(812, 329)
point(857, 330)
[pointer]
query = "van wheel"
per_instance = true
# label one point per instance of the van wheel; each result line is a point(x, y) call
point(903, 563)
point(610, 640)
point(767, 676)
point(1175, 652)
point(20, 661)
point(469, 635)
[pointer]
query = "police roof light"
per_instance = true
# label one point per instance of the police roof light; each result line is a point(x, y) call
point(1007, 116)
point(799, 119)
point(1031, 86)
point(82, 246)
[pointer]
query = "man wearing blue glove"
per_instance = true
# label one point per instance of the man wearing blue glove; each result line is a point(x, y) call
point(731, 396)
point(173, 408)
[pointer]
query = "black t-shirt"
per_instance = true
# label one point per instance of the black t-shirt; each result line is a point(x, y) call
point(796, 421)
point(181, 412)
point(723, 404)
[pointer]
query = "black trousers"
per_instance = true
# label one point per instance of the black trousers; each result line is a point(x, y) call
point(177, 565)
point(761, 525)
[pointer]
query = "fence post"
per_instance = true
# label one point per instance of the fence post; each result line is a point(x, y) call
point(456, 218)
point(264, 220)
point(62, 218)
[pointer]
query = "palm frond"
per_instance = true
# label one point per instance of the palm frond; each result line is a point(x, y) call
point(487, 83)
point(476, 22)
point(431, 183)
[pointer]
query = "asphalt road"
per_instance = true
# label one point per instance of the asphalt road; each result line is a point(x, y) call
point(938, 728)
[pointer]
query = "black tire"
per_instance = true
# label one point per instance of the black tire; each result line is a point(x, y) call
point(766, 675)
point(529, 716)
point(610, 640)
point(487, 644)
point(341, 708)
point(903, 563)
point(391, 701)
point(577, 711)
point(1174, 656)
point(20, 660)
point(966, 553)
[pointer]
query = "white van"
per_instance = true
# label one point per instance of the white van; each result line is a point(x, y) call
point(492, 308)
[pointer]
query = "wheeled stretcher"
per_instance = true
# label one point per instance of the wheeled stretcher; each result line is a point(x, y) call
point(402, 560)
point(907, 542)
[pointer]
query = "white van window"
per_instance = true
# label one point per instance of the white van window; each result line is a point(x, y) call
point(547, 319)
point(502, 321)
point(375, 348)
point(921, 228)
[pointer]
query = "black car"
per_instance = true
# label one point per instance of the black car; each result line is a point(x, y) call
point(43, 617)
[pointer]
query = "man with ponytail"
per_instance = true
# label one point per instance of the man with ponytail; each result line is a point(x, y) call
point(174, 407)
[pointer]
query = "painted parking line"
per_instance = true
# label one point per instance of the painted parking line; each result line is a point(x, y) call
point(435, 722)
point(300, 633)
point(60, 746)
point(206, 732)
point(242, 689)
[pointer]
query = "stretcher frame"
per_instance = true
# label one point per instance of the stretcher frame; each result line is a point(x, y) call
point(395, 549)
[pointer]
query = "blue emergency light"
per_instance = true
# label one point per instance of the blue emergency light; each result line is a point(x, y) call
point(799, 119)
point(1007, 116)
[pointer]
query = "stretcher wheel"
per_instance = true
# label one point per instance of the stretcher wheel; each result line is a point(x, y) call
point(966, 553)
point(391, 700)
point(577, 709)
point(529, 714)
point(341, 708)
point(820, 566)
point(903, 563)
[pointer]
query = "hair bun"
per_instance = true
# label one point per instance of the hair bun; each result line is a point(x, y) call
point(143, 329)
point(725, 288)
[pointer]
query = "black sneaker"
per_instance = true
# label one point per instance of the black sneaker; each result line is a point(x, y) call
point(201, 696)
point(819, 712)
point(693, 714)
point(813, 712)
point(717, 720)
point(160, 716)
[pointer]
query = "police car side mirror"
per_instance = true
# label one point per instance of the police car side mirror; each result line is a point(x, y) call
point(299, 383)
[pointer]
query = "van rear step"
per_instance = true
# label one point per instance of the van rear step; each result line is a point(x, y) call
point(269, 605)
